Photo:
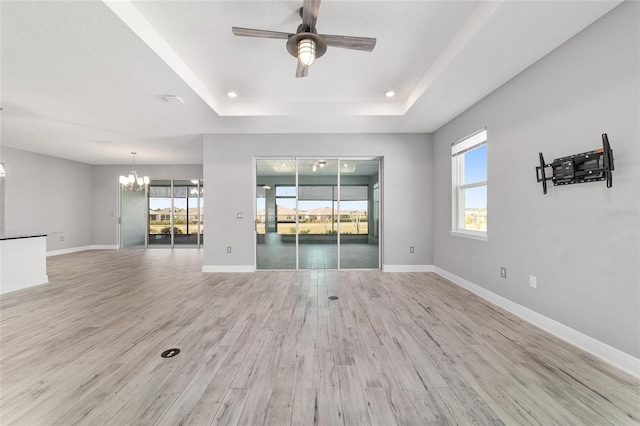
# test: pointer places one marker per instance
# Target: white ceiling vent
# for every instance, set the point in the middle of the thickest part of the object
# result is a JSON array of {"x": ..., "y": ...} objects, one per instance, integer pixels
[{"x": 172, "y": 99}]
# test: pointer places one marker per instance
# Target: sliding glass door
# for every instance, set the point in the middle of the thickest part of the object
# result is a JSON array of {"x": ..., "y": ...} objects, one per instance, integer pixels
[
  {"x": 317, "y": 213},
  {"x": 186, "y": 211},
  {"x": 160, "y": 213},
  {"x": 359, "y": 213},
  {"x": 175, "y": 213},
  {"x": 276, "y": 197}
]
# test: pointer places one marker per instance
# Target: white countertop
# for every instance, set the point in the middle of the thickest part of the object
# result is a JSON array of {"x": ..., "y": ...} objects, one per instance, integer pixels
[{"x": 19, "y": 236}]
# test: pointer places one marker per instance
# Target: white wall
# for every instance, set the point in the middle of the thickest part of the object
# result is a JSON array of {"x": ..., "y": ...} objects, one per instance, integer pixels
[
  {"x": 407, "y": 184},
  {"x": 48, "y": 195},
  {"x": 582, "y": 241}
]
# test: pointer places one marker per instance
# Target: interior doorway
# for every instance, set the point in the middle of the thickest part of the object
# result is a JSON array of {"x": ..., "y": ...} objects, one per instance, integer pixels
[{"x": 318, "y": 213}]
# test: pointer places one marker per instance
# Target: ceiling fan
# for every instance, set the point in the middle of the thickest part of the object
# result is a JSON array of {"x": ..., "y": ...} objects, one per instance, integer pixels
[{"x": 306, "y": 44}]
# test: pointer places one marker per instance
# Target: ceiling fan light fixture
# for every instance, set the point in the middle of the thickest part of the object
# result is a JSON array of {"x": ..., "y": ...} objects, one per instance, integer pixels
[{"x": 307, "y": 51}]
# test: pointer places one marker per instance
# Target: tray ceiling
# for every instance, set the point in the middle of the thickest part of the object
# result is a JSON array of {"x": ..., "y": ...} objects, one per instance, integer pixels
[{"x": 87, "y": 80}]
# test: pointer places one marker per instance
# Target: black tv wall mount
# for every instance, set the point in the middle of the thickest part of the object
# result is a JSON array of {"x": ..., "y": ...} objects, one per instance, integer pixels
[{"x": 590, "y": 166}]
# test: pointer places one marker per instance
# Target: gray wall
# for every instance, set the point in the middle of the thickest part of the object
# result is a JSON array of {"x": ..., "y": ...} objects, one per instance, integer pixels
[
  {"x": 407, "y": 189},
  {"x": 48, "y": 195},
  {"x": 105, "y": 195},
  {"x": 582, "y": 242},
  {"x": 78, "y": 201}
]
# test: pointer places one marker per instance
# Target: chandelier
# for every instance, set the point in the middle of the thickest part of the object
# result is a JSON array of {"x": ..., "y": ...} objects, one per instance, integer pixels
[{"x": 133, "y": 182}]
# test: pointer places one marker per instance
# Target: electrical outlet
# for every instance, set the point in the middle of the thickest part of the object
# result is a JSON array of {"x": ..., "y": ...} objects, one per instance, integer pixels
[
  {"x": 503, "y": 272},
  {"x": 228, "y": 249},
  {"x": 240, "y": 215},
  {"x": 412, "y": 250},
  {"x": 533, "y": 281}
]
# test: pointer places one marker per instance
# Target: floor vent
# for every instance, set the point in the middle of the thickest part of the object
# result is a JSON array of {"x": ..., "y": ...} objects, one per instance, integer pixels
[{"x": 170, "y": 353}]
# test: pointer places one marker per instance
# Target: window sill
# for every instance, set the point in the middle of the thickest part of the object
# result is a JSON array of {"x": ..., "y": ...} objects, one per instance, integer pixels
[{"x": 470, "y": 235}]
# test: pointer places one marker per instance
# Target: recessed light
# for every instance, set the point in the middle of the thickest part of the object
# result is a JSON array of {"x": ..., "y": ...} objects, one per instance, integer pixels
[
  {"x": 389, "y": 93},
  {"x": 232, "y": 94},
  {"x": 175, "y": 100}
]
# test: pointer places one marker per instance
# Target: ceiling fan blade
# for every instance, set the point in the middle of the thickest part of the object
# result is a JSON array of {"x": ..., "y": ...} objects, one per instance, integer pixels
[
  {"x": 347, "y": 42},
  {"x": 301, "y": 70},
  {"x": 310, "y": 10},
  {"x": 250, "y": 32}
]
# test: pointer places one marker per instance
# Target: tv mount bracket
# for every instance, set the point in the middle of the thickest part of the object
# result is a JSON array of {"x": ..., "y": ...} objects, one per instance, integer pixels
[{"x": 590, "y": 166}]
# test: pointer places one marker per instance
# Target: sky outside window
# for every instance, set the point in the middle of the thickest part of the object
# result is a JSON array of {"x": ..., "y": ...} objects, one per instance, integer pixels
[{"x": 475, "y": 170}]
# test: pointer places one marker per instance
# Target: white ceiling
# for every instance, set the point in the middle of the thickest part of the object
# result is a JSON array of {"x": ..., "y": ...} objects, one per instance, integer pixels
[{"x": 86, "y": 80}]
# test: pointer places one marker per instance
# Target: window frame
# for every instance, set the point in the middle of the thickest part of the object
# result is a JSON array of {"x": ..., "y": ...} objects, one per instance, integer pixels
[{"x": 473, "y": 141}]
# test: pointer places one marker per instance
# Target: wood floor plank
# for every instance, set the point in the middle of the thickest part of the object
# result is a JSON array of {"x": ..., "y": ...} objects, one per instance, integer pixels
[
  {"x": 270, "y": 347},
  {"x": 352, "y": 395},
  {"x": 203, "y": 411},
  {"x": 261, "y": 381},
  {"x": 196, "y": 388},
  {"x": 380, "y": 412},
  {"x": 305, "y": 407},
  {"x": 231, "y": 407},
  {"x": 397, "y": 385},
  {"x": 280, "y": 409},
  {"x": 328, "y": 400}
]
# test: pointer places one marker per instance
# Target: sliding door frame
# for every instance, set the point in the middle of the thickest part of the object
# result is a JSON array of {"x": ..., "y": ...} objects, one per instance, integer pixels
[
  {"x": 339, "y": 160},
  {"x": 199, "y": 185}
]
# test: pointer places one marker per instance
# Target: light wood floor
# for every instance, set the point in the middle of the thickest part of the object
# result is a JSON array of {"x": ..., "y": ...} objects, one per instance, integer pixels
[{"x": 270, "y": 348}]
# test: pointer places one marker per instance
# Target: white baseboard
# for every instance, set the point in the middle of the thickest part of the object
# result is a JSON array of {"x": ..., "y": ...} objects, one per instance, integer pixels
[
  {"x": 105, "y": 247},
  {"x": 228, "y": 268},
  {"x": 613, "y": 356},
  {"x": 82, "y": 248},
  {"x": 407, "y": 268}
]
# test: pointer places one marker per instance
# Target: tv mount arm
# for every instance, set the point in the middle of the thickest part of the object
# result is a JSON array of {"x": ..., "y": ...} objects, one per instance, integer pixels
[{"x": 590, "y": 166}]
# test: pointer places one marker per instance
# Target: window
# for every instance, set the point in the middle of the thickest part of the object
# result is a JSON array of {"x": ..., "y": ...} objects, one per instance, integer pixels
[
  {"x": 469, "y": 184},
  {"x": 285, "y": 209}
]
